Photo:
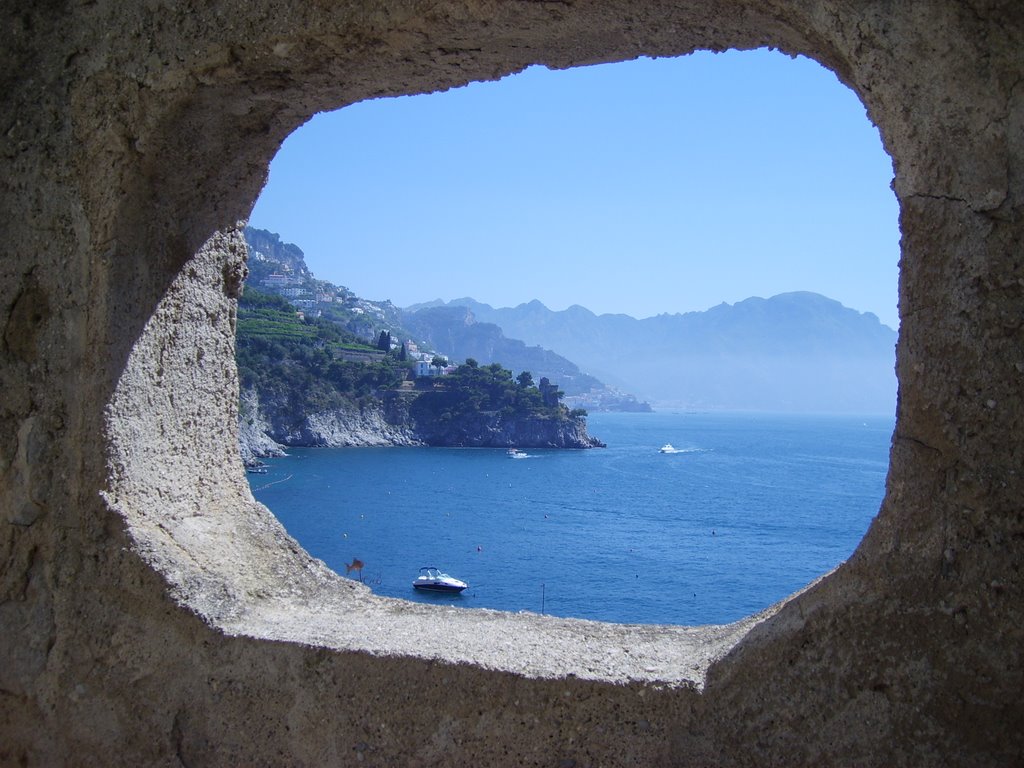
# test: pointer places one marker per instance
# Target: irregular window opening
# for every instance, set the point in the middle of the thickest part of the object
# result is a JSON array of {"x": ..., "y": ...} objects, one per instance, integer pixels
[{"x": 756, "y": 506}]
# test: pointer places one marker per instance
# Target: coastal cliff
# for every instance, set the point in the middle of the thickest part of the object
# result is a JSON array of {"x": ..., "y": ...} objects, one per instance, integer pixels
[
  {"x": 319, "y": 367},
  {"x": 492, "y": 430},
  {"x": 266, "y": 428}
]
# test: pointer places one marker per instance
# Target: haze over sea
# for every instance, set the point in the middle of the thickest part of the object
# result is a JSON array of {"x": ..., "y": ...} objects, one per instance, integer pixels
[{"x": 752, "y": 508}]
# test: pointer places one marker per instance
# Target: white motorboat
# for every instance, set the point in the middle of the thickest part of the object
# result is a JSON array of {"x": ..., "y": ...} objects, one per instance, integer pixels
[
  {"x": 515, "y": 453},
  {"x": 669, "y": 448},
  {"x": 433, "y": 580}
]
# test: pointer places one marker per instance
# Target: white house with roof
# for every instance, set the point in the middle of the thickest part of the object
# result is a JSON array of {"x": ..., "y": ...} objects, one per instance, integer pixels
[{"x": 425, "y": 368}]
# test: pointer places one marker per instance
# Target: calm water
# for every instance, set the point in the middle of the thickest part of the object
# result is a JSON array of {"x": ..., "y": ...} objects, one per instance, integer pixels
[{"x": 752, "y": 508}]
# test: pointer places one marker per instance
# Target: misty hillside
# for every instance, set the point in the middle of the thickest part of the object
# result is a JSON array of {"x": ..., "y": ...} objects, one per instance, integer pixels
[
  {"x": 792, "y": 352},
  {"x": 454, "y": 332}
]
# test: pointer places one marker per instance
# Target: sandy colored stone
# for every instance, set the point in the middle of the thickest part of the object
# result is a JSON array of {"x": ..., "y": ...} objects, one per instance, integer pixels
[{"x": 154, "y": 614}]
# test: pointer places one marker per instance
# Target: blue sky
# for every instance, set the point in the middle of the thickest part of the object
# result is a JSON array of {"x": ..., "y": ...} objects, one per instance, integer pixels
[{"x": 644, "y": 187}]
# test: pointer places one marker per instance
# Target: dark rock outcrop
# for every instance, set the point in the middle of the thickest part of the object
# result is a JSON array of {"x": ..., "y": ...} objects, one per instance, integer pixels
[
  {"x": 489, "y": 429},
  {"x": 266, "y": 428}
]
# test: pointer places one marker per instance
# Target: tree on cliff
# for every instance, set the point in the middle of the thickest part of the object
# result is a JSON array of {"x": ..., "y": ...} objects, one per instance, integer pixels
[
  {"x": 303, "y": 366},
  {"x": 525, "y": 379},
  {"x": 476, "y": 405},
  {"x": 471, "y": 389}
]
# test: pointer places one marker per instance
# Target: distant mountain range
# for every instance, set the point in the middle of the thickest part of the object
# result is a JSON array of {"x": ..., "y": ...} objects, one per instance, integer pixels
[{"x": 792, "y": 352}]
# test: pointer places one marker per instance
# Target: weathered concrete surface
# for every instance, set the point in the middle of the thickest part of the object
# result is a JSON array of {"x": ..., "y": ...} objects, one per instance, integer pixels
[{"x": 153, "y": 614}]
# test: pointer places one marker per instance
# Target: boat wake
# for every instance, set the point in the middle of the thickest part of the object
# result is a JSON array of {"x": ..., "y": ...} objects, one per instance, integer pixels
[{"x": 282, "y": 480}]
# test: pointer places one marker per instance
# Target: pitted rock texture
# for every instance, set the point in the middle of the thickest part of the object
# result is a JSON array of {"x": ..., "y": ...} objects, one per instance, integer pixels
[{"x": 153, "y": 614}]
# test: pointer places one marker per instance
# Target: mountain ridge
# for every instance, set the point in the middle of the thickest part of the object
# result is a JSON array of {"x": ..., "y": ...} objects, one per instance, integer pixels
[
  {"x": 795, "y": 351},
  {"x": 474, "y": 304}
]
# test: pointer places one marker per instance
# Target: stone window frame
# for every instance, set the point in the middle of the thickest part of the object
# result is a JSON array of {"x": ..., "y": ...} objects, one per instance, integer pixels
[
  {"x": 137, "y": 138},
  {"x": 228, "y": 559}
]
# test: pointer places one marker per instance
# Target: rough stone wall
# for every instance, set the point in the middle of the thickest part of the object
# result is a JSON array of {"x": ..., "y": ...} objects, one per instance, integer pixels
[{"x": 153, "y": 614}]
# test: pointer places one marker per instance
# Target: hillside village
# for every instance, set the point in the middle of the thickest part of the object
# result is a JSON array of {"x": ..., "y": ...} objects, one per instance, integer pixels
[
  {"x": 318, "y": 366},
  {"x": 364, "y": 318},
  {"x": 279, "y": 268}
]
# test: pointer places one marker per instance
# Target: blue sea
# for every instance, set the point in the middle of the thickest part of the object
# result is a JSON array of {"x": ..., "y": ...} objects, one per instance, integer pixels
[{"x": 748, "y": 510}]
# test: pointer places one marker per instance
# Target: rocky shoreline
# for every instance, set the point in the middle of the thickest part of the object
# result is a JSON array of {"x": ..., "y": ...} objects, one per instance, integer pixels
[{"x": 266, "y": 431}]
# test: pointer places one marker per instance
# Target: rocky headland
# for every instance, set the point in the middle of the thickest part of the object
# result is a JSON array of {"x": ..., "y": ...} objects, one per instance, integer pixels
[{"x": 266, "y": 429}]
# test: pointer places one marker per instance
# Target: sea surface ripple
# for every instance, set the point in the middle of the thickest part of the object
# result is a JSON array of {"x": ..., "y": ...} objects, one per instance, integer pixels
[{"x": 750, "y": 508}]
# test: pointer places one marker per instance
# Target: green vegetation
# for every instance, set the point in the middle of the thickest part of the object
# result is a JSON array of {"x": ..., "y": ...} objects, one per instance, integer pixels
[
  {"x": 301, "y": 364},
  {"x": 350, "y": 354},
  {"x": 268, "y": 316},
  {"x": 472, "y": 389}
]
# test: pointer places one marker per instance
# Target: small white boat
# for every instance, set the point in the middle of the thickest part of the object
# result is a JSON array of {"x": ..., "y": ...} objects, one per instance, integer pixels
[
  {"x": 667, "y": 448},
  {"x": 515, "y": 453},
  {"x": 433, "y": 580}
]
